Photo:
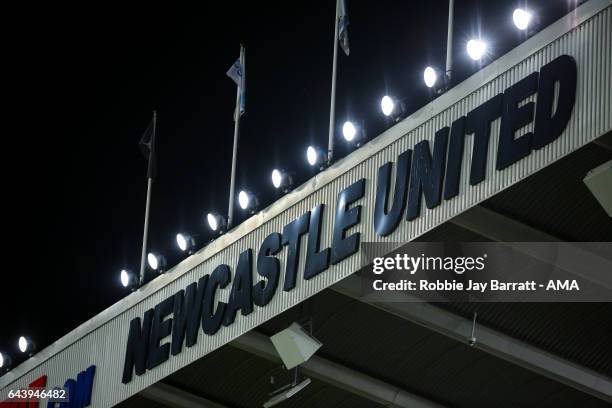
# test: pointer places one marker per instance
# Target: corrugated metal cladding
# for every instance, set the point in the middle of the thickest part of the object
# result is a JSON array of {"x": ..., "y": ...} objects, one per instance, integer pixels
[{"x": 585, "y": 34}]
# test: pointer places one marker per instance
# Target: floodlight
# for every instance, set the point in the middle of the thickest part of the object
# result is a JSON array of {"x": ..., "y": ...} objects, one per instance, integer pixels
[
  {"x": 436, "y": 79},
  {"x": 248, "y": 201},
  {"x": 294, "y": 345},
  {"x": 281, "y": 179},
  {"x": 26, "y": 345},
  {"x": 349, "y": 131},
  {"x": 5, "y": 361},
  {"x": 216, "y": 222},
  {"x": 392, "y": 107},
  {"x": 352, "y": 133},
  {"x": 521, "y": 18},
  {"x": 316, "y": 156},
  {"x": 243, "y": 200},
  {"x": 128, "y": 279},
  {"x": 156, "y": 261},
  {"x": 387, "y": 105},
  {"x": 476, "y": 49},
  {"x": 185, "y": 242},
  {"x": 430, "y": 76},
  {"x": 276, "y": 178}
]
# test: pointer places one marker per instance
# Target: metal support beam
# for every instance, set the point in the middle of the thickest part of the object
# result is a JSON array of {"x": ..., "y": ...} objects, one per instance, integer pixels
[
  {"x": 175, "y": 397},
  {"x": 490, "y": 341},
  {"x": 498, "y": 227},
  {"x": 337, "y": 375}
]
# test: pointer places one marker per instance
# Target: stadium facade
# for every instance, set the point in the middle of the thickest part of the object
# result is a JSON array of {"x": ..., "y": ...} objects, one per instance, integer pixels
[{"x": 499, "y": 157}]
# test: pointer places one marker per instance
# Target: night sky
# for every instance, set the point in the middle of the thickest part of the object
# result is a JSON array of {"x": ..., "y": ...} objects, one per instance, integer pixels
[{"x": 83, "y": 80}]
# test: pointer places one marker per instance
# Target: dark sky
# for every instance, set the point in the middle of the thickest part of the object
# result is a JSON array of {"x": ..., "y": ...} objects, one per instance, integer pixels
[{"x": 79, "y": 88}]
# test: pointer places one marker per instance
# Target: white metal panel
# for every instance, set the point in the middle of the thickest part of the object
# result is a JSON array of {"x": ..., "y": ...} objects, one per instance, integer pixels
[{"x": 586, "y": 35}]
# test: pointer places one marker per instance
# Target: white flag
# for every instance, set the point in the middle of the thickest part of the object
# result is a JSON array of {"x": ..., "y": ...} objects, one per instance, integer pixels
[
  {"x": 238, "y": 75},
  {"x": 343, "y": 26}
]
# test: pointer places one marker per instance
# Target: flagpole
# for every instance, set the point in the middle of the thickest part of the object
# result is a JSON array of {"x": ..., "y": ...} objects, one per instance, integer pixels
[
  {"x": 332, "y": 108},
  {"x": 449, "y": 43},
  {"x": 230, "y": 210},
  {"x": 146, "y": 222}
]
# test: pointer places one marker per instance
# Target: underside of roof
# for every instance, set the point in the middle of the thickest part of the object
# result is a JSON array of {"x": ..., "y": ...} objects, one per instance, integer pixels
[{"x": 426, "y": 363}]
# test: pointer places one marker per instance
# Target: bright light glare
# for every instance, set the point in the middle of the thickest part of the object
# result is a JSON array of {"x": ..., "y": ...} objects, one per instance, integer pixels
[
  {"x": 125, "y": 278},
  {"x": 181, "y": 241},
  {"x": 212, "y": 221},
  {"x": 349, "y": 131},
  {"x": 277, "y": 178},
  {"x": 153, "y": 261},
  {"x": 311, "y": 155},
  {"x": 23, "y": 344},
  {"x": 387, "y": 105},
  {"x": 1, "y": 360},
  {"x": 430, "y": 76},
  {"x": 521, "y": 18},
  {"x": 476, "y": 49},
  {"x": 243, "y": 199}
]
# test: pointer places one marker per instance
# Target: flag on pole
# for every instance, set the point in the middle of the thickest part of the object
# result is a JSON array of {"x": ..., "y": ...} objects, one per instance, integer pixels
[
  {"x": 343, "y": 22},
  {"x": 147, "y": 147},
  {"x": 238, "y": 73}
]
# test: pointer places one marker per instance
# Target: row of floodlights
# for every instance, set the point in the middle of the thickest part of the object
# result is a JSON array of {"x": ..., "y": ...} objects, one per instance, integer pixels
[
  {"x": 282, "y": 180},
  {"x": 316, "y": 157},
  {"x": 247, "y": 201},
  {"x": 477, "y": 48}
]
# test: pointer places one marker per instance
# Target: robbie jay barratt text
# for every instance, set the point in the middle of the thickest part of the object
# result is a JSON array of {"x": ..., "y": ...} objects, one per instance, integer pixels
[{"x": 493, "y": 285}]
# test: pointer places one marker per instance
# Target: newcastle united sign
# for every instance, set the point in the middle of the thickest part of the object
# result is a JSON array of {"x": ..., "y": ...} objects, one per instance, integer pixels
[{"x": 433, "y": 174}]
